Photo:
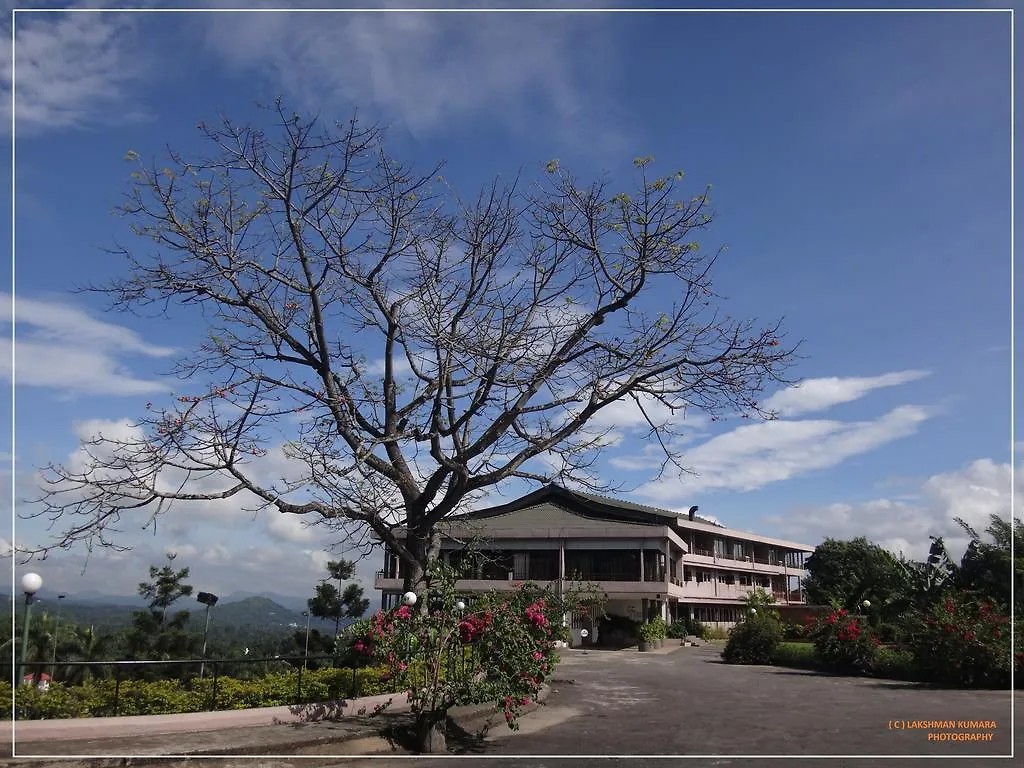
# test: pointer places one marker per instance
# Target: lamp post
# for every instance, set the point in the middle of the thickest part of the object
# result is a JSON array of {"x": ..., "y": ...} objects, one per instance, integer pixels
[
  {"x": 305, "y": 653},
  {"x": 56, "y": 634},
  {"x": 30, "y": 584},
  {"x": 209, "y": 600}
]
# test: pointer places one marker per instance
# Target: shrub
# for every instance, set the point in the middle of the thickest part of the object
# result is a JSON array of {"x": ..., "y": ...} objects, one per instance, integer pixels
[
  {"x": 793, "y": 631},
  {"x": 659, "y": 628},
  {"x": 5, "y": 700},
  {"x": 896, "y": 664},
  {"x": 677, "y": 630},
  {"x": 138, "y": 697},
  {"x": 157, "y": 697},
  {"x": 51, "y": 704},
  {"x": 753, "y": 641},
  {"x": 843, "y": 643},
  {"x": 648, "y": 632},
  {"x": 963, "y": 639}
]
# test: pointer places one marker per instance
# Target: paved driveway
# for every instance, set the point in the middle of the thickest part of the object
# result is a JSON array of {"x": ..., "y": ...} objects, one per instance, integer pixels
[{"x": 689, "y": 703}]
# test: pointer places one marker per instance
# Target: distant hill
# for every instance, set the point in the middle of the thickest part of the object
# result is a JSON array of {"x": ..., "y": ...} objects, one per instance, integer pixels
[
  {"x": 256, "y": 612},
  {"x": 291, "y": 602}
]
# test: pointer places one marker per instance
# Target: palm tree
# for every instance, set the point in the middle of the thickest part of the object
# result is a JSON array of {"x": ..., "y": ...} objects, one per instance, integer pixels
[{"x": 89, "y": 645}]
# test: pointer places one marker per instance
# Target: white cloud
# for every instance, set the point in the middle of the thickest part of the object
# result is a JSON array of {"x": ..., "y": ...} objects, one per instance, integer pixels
[
  {"x": 423, "y": 70},
  {"x": 821, "y": 394},
  {"x": 290, "y": 527},
  {"x": 756, "y": 455},
  {"x": 973, "y": 493},
  {"x": 59, "y": 346},
  {"x": 72, "y": 69}
]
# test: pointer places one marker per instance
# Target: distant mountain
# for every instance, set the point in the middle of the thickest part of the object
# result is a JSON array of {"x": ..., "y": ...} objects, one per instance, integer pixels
[
  {"x": 256, "y": 612},
  {"x": 93, "y": 597},
  {"x": 290, "y": 602}
]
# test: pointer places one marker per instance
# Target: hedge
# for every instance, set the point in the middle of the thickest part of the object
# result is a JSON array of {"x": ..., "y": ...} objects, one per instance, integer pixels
[{"x": 163, "y": 697}]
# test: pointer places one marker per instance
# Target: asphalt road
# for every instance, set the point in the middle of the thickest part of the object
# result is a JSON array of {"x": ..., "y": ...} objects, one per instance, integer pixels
[{"x": 688, "y": 703}]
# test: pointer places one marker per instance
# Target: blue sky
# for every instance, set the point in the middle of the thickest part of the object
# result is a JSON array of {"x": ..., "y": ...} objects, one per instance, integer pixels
[{"x": 860, "y": 169}]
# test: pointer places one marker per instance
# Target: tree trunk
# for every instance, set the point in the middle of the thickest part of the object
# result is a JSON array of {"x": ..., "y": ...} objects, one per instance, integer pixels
[
  {"x": 430, "y": 732},
  {"x": 425, "y": 547}
]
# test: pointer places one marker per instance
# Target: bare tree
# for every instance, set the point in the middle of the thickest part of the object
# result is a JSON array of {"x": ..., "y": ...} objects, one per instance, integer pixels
[{"x": 408, "y": 349}]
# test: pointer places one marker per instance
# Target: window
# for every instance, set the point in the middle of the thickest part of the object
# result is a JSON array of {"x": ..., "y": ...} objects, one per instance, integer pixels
[
  {"x": 703, "y": 576},
  {"x": 728, "y": 578},
  {"x": 744, "y": 580},
  {"x": 719, "y": 547},
  {"x": 737, "y": 550}
]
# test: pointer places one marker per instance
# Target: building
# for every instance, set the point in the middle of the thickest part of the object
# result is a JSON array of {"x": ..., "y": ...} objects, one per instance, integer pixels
[{"x": 647, "y": 561}]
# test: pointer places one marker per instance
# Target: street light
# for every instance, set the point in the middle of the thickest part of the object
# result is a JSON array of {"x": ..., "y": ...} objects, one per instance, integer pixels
[
  {"x": 305, "y": 653},
  {"x": 409, "y": 598},
  {"x": 56, "y": 634},
  {"x": 30, "y": 584},
  {"x": 209, "y": 600}
]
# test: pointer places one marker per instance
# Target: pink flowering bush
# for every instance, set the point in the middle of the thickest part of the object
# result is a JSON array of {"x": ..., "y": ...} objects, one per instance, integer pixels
[
  {"x": 843, "y": 643},
  {"x": 498, "y": 650}
]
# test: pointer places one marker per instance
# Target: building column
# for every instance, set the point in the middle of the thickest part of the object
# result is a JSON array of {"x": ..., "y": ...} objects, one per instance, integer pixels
[
  {"x": 561, "y": 579},
  {"x": 641, "y": 562}
]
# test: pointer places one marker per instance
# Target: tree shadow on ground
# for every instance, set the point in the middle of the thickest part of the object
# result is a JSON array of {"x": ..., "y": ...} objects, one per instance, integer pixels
[
  {"x": 886, "y": 682},
  {"x": 462, "y": 741},
  {"x": 401, "y": 735}
]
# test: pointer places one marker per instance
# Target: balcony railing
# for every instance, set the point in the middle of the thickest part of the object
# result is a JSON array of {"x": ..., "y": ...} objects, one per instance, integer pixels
[{"x": 701, "y": 552}]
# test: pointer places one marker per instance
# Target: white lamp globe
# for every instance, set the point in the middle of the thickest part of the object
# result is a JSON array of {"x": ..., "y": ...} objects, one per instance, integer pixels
[
  {"x": 866, "y": 603},
  {"x": 31, "y": 582},
  {"x": 409, "y": 598},
  {"x": 460, "y": 606},
  {"x": 753, "y": 611}
]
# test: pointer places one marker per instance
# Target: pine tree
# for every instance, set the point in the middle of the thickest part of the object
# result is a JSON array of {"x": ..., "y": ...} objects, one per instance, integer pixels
[
  {"x": 155, "y": 633},
  {"x": 335, "y": 602}
]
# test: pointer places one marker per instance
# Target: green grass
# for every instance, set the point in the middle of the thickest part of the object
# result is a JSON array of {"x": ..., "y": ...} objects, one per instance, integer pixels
[{"x": 798, "y": 655}]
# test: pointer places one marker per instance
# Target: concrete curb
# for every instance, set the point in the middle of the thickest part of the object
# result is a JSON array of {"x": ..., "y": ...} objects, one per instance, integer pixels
[
  {"x": 349, "y": 735},
  {"x": 73, "y": 729}
]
